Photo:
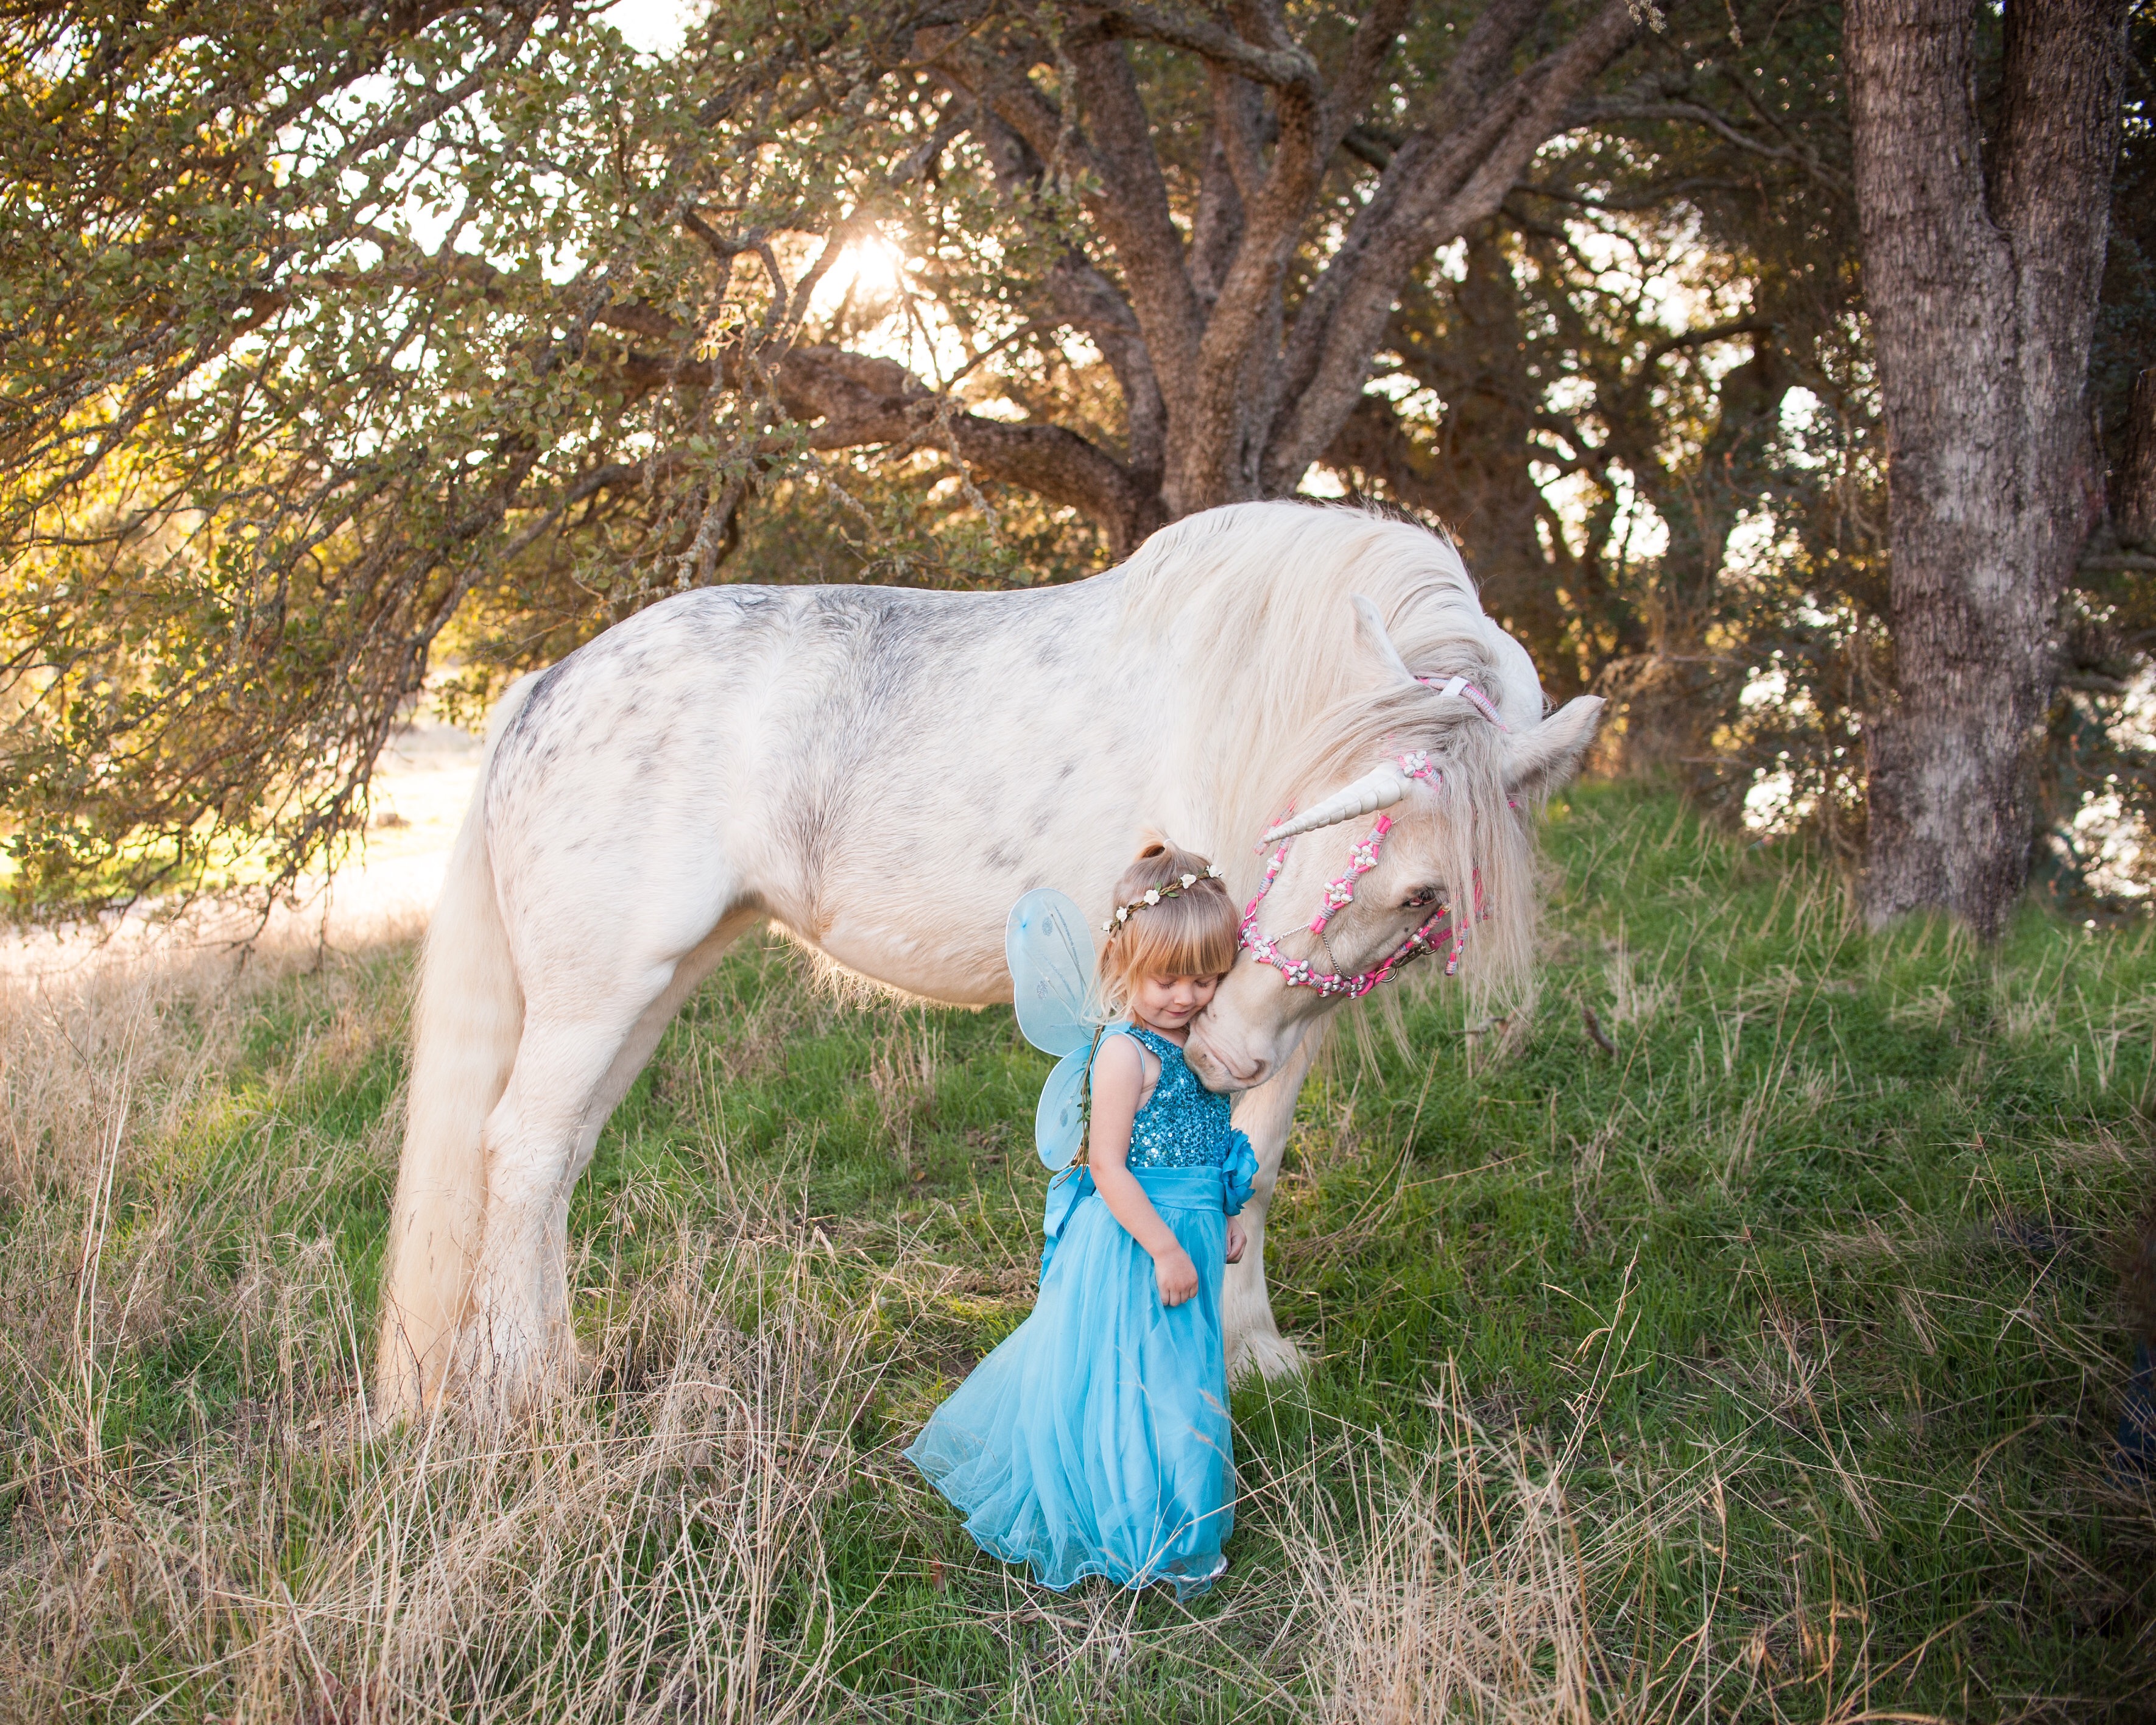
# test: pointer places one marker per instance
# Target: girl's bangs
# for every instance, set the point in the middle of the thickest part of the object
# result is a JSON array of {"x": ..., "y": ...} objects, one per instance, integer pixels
[{"x": 1185, "y": 945}]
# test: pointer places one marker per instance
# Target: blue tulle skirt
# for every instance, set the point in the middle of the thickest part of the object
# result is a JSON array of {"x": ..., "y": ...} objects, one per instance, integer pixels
[{"x": 1095, "y": 1440}]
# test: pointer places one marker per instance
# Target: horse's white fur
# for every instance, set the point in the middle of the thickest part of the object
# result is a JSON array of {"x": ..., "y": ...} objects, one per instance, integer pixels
[{"x": 882, "y": 772}]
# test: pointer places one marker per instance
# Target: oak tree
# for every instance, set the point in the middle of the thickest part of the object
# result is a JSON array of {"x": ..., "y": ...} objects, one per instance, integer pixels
[
  {"x": 321, "y": 320},
  {"x": 1983, "y": 249}
]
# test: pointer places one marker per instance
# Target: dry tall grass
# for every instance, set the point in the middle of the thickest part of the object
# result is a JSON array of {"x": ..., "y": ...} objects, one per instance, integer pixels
[
  {"x": 624, "y": 1556},
  {"x": 1455, "y": 1591},
  {"x": 655, "y": 1547}
]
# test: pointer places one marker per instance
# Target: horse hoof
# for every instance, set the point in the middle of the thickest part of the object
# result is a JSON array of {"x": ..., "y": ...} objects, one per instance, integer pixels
[{"x": 1272, "y": 1358}]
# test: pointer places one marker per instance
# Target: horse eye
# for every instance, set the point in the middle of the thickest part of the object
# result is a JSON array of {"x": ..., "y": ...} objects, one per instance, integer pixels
[{"x": 1421, "y": 899}]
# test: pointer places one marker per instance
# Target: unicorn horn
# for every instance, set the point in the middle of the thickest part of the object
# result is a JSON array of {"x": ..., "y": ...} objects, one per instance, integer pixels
[{"x": 1380, "y": 788}]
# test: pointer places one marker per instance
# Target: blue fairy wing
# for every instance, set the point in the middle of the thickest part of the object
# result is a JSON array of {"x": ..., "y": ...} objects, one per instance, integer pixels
[
  {"x": 1050, "y": 951},
  {"x": 1059, "y": 1125}
]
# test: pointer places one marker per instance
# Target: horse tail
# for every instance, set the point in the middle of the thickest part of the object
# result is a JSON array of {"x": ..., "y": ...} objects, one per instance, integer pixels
[{"x": 466, "y": 1022}]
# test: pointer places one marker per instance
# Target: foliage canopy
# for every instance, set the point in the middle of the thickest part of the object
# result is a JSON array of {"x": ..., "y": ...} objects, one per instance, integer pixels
[{"x": 348, "y": 347}]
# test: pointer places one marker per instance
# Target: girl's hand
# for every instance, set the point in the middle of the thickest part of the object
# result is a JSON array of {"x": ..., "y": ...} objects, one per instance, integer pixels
[
  {"x": 1177, "y": 1275},
  {"x": 1237, "y": 1239}
]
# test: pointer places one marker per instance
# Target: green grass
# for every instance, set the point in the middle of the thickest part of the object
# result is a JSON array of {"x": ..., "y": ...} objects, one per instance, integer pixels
[{"x": 1786, "y": 1341}]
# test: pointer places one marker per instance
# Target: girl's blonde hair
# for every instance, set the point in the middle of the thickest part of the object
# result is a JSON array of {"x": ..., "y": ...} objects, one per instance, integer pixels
[{"x": 1191, "y": 934}]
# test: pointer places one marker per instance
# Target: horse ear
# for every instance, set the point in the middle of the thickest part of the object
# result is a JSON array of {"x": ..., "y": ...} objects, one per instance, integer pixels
[
  {"x": 1538, "y": 760},
  {"x": 1370, "y": 630}
]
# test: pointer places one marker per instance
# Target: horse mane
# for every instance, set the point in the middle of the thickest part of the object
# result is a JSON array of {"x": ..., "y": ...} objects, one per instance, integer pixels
[{"x": 1267, "y": 588}]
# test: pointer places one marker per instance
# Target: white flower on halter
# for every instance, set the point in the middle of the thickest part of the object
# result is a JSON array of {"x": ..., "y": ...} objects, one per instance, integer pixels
[
  {"x": 1190, "y": 879},
  {"x": 1152, "y": 896}
]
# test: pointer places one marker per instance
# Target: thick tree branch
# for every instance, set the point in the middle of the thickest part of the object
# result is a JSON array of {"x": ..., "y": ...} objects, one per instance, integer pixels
[
  {"x": 1356, "y": 79},
  {"x": 852, "y": 401},
  {"x": 1643, "y": 378},
  {"x": 1411, "y": 165},
  {"x": 1437, "y": 187},
  {"x": 1372, "y": 145},
  {"x": 1126, "y": 195},
  {"x": 1238, "y": 122},
  {"x": 1089, "y": 302},
  {"x": 1220, "y": 441},
  {"x": 1217, "y": 228},
  {"x": 1285, "y": 67},
  {"x": 1133, "y": 213},
  {"x": 1480, "y": 64}
]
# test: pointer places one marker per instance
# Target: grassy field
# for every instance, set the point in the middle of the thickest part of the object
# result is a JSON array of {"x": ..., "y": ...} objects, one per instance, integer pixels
[{"x": 1766, "y": 1363}]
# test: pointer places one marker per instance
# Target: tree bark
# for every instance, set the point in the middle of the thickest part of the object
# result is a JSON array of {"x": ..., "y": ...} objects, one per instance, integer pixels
[
  {"x": 1476, "y": 474},
  {"x": 1677, "y": 688},
  {"x": 1981, "y": 275},
  {"x": 2133, "y": 505},
  {"x": 1232, "y": 391}
]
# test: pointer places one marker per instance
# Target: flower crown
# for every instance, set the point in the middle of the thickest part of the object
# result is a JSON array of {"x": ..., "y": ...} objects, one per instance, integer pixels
[{"x": 1154, "y": 895}]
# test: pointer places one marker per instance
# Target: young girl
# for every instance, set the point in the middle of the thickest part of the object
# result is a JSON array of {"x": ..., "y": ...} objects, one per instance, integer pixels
[{"x": 1095, "y": 1440}]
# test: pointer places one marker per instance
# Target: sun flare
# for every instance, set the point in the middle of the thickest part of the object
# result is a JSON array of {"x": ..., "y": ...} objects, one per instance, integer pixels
[{"x": 871, "y": 269}]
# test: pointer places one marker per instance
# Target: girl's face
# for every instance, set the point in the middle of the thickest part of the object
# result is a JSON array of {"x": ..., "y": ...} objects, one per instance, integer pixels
[{"x": 1169, "y": 1003}]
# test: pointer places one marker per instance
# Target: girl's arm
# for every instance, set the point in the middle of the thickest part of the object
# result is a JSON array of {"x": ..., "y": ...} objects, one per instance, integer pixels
[{"x": 1118, "y": 1081}]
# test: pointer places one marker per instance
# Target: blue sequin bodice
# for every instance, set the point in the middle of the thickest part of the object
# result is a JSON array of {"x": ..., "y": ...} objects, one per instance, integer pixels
[{"x": 1183, "y": 1124}]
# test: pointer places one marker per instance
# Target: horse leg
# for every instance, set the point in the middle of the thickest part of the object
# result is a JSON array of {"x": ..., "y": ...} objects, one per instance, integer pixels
[
  {"x": 642, "y": 1041},
  {"x": 572, "y": 1071},
  {"x": 1255, "y": 1342}
]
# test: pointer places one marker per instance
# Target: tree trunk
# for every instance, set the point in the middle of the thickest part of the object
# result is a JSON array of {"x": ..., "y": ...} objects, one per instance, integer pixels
[
  {"x": 2134, "y": 503},
  {"x": 1672, "y": 698},
  {"x": 1232, "y": 391},
  {"x": 1477, "y": 476},
  {"x": 1981, "y": 276}
]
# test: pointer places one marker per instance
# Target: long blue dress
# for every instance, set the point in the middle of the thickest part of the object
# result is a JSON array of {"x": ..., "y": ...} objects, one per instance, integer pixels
[{"x": 1095, "y": 1440}]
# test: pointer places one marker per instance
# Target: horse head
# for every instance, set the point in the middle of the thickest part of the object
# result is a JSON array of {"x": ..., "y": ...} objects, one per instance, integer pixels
[{"x": 1412, "y": 842}]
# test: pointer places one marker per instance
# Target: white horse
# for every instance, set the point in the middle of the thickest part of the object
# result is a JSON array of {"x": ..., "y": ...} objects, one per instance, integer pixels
[{"x": 880, "y": 773}]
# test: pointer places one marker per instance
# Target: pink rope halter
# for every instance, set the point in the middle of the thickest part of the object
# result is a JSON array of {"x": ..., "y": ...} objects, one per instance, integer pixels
[
  {"x": 1438, "y": 928},
  {"x": 1467, "y": 691}
]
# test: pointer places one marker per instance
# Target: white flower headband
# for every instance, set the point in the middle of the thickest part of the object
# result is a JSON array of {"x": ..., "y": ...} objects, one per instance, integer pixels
[{"x": 1153, "y": 896}]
